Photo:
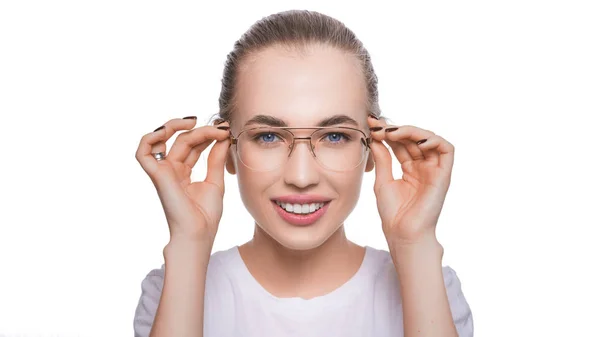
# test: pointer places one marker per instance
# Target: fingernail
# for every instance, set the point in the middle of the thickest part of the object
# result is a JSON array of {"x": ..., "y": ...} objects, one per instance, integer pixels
[
  {"x": 223, "y": 127},
  {"x": 221, "y": 122},
  {"x": 377, "y": 128},
  {"x": 390, "y": 129},
  {"x": 159, "y": 128},
  {"x": 373, "y": 116},
  {"x": 421, "y": 141},
  {"x": 190, "y": 117}
]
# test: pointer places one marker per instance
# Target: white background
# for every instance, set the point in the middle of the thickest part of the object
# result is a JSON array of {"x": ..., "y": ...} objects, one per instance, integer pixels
[{"x": 514, "y": 85}]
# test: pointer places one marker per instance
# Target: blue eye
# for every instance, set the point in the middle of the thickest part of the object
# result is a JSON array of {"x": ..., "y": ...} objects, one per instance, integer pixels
[
  {"x": 335, "y": 137},
  {"x": 267, "y": 137}
]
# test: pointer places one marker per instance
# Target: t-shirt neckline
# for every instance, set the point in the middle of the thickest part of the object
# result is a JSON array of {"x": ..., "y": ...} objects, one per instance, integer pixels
[{"x": 336, "y": 298}]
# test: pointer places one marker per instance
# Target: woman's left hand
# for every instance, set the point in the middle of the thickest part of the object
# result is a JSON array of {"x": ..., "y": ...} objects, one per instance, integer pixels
[{"x": 410, "y": 206}]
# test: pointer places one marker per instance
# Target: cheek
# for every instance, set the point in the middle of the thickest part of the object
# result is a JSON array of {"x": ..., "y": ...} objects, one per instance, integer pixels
[
  {"x": 253, "y": 185},
  {"x": 246, "y": 183},
  {"x": 349, "y": 184}
]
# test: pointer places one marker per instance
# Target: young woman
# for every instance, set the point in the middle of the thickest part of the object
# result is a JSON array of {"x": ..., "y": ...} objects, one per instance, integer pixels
[{"x": 299, "y": 124}]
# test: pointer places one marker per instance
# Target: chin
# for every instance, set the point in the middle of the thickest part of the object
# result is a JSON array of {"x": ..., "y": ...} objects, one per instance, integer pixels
[
  {"x": 298, "y": 240},
  {"x": 297, "y": 237}
]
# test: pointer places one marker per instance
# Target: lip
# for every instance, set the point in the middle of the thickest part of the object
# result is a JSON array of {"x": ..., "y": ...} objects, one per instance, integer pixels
[
  {"x": 301, "y": 198},
  {"x": 301, "y": 219}
]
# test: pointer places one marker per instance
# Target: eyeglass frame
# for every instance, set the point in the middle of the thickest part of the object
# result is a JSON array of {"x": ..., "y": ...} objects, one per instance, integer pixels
[{"x": 365, "y": 141}]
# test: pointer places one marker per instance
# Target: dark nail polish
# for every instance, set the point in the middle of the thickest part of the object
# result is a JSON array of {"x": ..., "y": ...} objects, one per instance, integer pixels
[
  {"x": 373, "y": 116},
  {"x": 390, "y": 129},
  {"x": 377, "y": 128},
  {"x": 223, "y": 127},
  {"x": 159, "y": 128},
  {"x": 190, "y": 117},
  {"x": 221, "y": 122},
  {"x": 421, "y": 141}
]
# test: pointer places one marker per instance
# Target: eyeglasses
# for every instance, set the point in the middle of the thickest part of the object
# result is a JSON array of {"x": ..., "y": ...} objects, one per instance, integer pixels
[{"x": 334, "y": 148}]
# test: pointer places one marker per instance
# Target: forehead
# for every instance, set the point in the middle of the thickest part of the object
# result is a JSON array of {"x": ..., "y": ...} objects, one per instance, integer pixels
[{"x": 300, "y": 88}]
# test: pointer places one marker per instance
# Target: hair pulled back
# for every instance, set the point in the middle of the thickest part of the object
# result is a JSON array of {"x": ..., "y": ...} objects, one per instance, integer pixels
[{"x": 294, "y": 29}]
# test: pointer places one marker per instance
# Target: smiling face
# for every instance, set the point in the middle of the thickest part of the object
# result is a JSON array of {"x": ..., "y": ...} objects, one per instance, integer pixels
[{"x": 322, "y": 86}]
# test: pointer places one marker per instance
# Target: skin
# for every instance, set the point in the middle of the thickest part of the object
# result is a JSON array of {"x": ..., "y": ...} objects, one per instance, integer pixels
[
  {"x": 300, "y": 90},
  {"x": 288, "y": 261}
]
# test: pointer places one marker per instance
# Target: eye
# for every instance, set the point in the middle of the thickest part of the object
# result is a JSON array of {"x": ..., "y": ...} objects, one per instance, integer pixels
[
  {"x": 335, "y": 137},
  {"x": 266, "y": 137}
]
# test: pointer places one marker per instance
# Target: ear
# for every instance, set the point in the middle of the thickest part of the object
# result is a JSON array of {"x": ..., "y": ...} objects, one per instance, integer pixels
[
  {"x": 370, "y": 163},
  {"x": 229, "y": 163}
]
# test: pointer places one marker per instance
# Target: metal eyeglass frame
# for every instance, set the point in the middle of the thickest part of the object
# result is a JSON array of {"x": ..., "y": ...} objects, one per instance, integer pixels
[{"x": 366, "y": 140}]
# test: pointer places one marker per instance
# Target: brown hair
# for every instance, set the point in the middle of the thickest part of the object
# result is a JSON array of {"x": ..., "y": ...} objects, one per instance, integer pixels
[{"x": 294, "y": 29}]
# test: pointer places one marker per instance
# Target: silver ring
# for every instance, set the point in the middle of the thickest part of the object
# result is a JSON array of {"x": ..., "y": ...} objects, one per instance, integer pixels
[{"x": 159, "y": 156}]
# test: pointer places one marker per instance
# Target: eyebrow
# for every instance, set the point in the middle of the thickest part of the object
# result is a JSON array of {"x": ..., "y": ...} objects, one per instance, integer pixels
[{"x": 277, "y": 122}]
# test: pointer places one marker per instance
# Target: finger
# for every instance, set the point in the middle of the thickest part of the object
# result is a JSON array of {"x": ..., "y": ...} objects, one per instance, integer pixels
[
  {"x": 376, "y": 127},
  {"x": 431, "y": 154},
  {"x": 144, "y": 151},
  {"x": 408, "y": 135},
  {"x": 373, "y": 120},
  {"x": 377, "y": 120},
  {"x": 197, "y": 150},
  {"x": 187, "y": 140},
  {"x": 383, "y": 164},
  {"x": 378, "y": 133},
  {"x": 400, "y": 151},
  {"x": 170, "y": 127},
  {"x": 216, "y": 164},
  {"x": 440, "y": 149},
  {"x": 405, "y": 150},
  {"x": 195, "y": 153}
]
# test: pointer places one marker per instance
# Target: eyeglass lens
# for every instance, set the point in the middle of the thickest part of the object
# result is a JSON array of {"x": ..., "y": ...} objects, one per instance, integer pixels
[{"x": 265, "y": 149}]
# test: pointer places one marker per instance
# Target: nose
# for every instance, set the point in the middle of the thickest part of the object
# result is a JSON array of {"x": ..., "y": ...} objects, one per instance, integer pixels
[{"x": 301, "y": 168}]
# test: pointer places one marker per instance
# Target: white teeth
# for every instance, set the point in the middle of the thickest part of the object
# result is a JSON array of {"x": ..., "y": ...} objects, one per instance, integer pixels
[{"x": 300, "y": 208}]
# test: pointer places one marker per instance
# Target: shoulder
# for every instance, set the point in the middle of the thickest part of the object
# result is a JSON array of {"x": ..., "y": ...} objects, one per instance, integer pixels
[
  {"x": 217, "y": 283},
  {"x": 154, "y": 279},
  {"x": 387, "y": 290},
  {"x": 386, "y": 271},
  {"x": 216, "y": 265}
]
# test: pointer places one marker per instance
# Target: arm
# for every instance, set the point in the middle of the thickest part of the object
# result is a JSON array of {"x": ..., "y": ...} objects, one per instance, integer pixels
[
  {"x": 181, "y": 308},
  {"x": 425, "y": 306}
]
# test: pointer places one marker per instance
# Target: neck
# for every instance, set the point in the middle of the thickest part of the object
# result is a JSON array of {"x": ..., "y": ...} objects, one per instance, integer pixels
[{"x": 287, "y": 272}]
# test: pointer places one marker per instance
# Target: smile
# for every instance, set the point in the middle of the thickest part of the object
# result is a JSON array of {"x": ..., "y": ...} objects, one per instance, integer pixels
[{"x": 300, "y": 208}]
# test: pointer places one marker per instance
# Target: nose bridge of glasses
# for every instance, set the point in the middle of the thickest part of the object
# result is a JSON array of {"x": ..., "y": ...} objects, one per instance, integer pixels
[{"x": 310, "y": 145}]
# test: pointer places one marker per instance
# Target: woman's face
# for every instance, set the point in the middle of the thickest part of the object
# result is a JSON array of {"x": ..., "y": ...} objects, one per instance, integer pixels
[{"x": 299, "y": 90}]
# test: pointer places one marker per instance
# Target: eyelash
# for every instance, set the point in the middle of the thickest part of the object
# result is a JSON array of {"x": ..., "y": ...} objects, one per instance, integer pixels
[{"x": 343, "y": 136}]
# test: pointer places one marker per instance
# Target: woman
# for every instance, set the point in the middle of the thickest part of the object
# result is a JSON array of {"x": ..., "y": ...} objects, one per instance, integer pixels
[{"x": 299, "y": 125}]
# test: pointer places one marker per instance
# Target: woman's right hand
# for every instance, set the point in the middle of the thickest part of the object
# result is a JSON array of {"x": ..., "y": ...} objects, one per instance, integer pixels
[{"x": 193, "y": 209}]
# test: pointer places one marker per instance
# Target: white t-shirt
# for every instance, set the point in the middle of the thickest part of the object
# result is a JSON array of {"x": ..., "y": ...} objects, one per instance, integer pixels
[{"x": 236, "y": 304}]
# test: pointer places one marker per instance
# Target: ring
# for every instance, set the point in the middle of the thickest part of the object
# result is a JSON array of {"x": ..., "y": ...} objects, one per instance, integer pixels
[{"x": 159, "y": 156}]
